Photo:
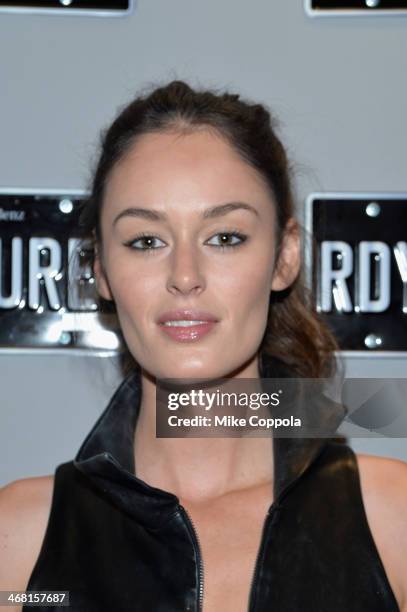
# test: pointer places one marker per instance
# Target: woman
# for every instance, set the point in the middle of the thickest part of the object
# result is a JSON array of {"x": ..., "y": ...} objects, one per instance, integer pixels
[{"x": 193, "y": 220}]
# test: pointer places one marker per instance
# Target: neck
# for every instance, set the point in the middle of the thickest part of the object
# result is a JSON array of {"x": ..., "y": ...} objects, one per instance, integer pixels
[{"x": 199, "y": 469}]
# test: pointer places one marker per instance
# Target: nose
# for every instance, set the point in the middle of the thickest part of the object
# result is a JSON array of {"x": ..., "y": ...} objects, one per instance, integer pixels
[{"x": 185, "y": 274}]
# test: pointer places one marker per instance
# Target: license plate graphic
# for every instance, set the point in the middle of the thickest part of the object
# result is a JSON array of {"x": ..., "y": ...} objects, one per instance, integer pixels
[
  {"x": 47, "y": 289},
  {"x": 360, "y": 267}
]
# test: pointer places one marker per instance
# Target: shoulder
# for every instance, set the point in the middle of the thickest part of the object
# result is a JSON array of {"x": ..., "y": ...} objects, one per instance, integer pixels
[
  {"x": 383, "y": 483},
  {"x": 24, "y": 511}
]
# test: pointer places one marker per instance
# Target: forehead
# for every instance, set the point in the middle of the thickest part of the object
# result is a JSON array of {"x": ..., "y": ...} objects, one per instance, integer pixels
[{"x": 167, "y": 169}]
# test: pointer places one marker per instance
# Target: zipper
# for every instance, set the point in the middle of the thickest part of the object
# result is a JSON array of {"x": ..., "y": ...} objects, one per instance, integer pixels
[
  {"x": 200, "y": 561},
  {"x": 199, "y": 556}
]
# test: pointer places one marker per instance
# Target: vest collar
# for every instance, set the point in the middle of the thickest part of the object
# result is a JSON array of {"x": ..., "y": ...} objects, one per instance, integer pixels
[{"x": 106, "y": 456}]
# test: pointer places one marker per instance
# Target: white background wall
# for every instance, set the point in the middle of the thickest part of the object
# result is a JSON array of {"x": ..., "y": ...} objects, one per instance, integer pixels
[{"x": 338, "y": 86}]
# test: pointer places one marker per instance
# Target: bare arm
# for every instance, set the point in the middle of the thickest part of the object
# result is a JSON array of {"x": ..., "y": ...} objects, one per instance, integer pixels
[
  {"x": 384, "y": 491},
  {"x": 24, "y": 512}
]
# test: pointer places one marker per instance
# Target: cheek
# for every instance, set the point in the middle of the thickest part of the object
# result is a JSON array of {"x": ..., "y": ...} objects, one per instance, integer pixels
[
  {"x": 133, "y": 287},
  {"x": 247, "y": 283}
]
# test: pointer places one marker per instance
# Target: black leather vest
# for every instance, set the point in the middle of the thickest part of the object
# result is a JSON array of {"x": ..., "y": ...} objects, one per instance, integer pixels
[{"x": 118, "y": 544}]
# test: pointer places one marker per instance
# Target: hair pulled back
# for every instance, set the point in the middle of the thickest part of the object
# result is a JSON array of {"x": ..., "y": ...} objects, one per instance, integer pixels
[{"x": 295, "y": 334}]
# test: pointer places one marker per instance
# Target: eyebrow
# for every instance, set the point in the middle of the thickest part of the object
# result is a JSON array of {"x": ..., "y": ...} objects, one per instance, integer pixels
[{"x": 210, "y": 213}]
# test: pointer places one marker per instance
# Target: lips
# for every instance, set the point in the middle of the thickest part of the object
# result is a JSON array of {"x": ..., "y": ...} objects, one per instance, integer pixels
[
  {"x": 186, "y": 315},
  {"x": 202, "y": 323}
]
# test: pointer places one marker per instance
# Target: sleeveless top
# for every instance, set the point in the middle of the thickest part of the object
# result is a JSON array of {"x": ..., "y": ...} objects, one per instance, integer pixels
[{"x": 118, "y": 544}]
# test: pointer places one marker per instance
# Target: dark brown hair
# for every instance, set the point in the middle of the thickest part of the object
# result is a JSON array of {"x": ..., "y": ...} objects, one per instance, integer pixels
[{"x": 295, "y": 333}]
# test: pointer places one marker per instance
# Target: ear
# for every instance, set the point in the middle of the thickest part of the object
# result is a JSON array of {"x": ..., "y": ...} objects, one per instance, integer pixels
[
  {"x": 289, "y": 261},
  {"x": 102, "y": 283}
]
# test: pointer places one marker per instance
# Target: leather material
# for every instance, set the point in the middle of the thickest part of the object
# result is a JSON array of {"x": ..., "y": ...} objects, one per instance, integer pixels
[{"x": 118, "y": 544}]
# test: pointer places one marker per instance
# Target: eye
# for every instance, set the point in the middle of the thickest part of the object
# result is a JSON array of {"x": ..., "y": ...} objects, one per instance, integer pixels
[
  {"x": 148, "y": 240},
  {"x": 225, "y": 239}
]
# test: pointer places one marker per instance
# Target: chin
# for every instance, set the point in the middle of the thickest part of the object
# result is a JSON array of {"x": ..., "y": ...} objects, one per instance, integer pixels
[
  {"x": 189, "y": 374},
  {"x": 191, "y": 371}
]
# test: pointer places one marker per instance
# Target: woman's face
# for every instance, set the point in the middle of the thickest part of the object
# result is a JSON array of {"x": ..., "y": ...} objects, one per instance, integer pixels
[{"x": 171, "y": 244}]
